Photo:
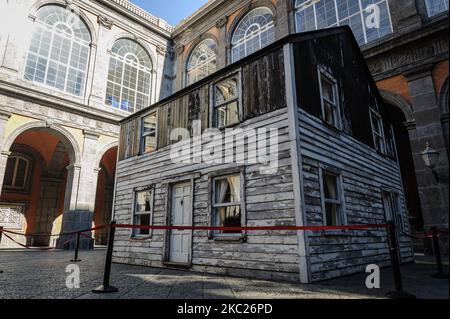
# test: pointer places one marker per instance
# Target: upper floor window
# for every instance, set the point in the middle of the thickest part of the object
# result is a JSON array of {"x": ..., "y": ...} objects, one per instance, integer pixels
[
  {"x": 435, "y": 7},
  {"x": 226, "y": 102},
  {"x": 329, "y": 99},
  {"x": 17, "y": 172},
  {"x": 59, "y": 51},
  {"x": 255, "y": 31},
  {"x": 369, "y": 19},
  {"x": 377, "y": 131},
  {"x": 149, "y": 133},
  {"x": 202, "y": 61},
  {"x": 129, "y": 77}
]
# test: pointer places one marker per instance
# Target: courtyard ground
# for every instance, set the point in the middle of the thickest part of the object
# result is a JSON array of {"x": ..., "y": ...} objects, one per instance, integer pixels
[{"x": 35, "y": 274}]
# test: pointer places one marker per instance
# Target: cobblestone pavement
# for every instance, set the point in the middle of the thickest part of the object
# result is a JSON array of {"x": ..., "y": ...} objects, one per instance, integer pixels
[{"x": 41, "y": 274}]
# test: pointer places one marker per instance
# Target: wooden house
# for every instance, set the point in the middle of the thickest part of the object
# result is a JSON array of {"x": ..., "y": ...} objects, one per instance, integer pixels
[{"x": 335, "y": 165}]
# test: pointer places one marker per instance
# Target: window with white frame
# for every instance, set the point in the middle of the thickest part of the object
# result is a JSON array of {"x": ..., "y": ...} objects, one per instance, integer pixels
[
  {"x": 58, "y": 56},
  {"x": 149, "y": 133},
  {"x": 332, "y": 198},
  {"x": 143, "y": 211},
  {"x": 393, "y": 211},
  {"x": 129, "y": 77},
  {"x": 435, "y": 7},
  {"x": 202, "y": 61},
  {"x": 17, "y": 172},
  {"x": 377, "y": 131},
  {"x": 369, "y": 19},
  {"x": 329, "y": 99},
  {"x": 226, "y": 102},
  {"x": 226, "y": 206},
  {"x": 255, "y": 31}
]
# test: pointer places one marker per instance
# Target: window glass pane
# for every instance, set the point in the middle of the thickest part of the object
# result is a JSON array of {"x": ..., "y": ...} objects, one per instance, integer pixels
[
  {"x": 254, "y": 31},
  {"x": 361, "y": 15},
  {"x": 129, "y": 77},
  {"x": 143, "y": 220},
  {"x": 149, "y": 133},
  {"x": 143, "y": 201},
  {"x": 327, "y": 89},
  {"x": 227, "y": 114},
  {"x": 330, "y": 186},
  {"x": 227, "y": 190},
  {"x": 202, "y": 61},
  {"x": 436, "y": 6},
  {"x": 226, "y": 90},
  {"x": 9, "y": 171},
  {"x": 60, "y": 40},
  {"x": 229, "y": 216},
  {"x": 21, "y": 173},
  {"x": 332, "y": 214}
]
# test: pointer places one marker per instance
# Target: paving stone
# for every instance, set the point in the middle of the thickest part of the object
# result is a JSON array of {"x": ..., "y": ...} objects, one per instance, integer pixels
[{"x": 42, "y": 275}]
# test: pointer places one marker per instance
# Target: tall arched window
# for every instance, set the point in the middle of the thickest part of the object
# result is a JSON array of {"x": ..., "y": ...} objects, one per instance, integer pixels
[
  {"x": 59, "y": 51},
  {"x": 129, "y": 77},
  {"x": 202, "y": 61},
  {"x": 255, "y": 31},
  {"x": 369, "y": 19}
]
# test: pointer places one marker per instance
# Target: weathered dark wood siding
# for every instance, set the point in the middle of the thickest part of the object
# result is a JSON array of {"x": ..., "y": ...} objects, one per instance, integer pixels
[
  {"x": 357, "y": 90},
  {"x": 262, "y": 89}
]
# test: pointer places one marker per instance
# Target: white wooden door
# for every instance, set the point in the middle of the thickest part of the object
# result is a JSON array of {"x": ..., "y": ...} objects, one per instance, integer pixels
[{"x": 181, "y": 215}]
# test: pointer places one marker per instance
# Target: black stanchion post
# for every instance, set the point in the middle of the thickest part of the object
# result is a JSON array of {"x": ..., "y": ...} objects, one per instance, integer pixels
[
  {"x": 1, "y": 232},
  {"x": 437, "y": 254},
  {"x": 106, "y": 287},
  {"x": 395, "y": 261},
  {"x": 75, "y": 259}
]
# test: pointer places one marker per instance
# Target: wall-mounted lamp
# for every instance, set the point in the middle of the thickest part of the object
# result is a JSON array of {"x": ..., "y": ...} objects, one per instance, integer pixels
[{"x": 430, "y": 157}]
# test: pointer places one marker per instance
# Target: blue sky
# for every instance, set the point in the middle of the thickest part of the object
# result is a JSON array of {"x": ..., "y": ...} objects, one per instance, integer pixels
[{"x": 173, "y": 11}]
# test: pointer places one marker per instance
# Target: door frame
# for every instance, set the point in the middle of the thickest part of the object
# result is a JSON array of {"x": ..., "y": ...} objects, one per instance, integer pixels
[{"x": 166, "y": 244}]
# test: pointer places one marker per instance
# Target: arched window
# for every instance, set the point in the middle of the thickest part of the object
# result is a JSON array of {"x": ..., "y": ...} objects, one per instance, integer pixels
[
  {"x": 255, "y": 31},
  {"x": 369, "y": 19},
  {"x": 17, "y": 172},
  {"x": 202, "y": 61},
  {"x": 129, "y": 77},
  {"x": 59, "y": 51}
]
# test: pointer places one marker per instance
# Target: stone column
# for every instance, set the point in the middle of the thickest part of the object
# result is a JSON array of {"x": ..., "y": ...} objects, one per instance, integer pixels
[
  {"x": 222, "y": 46},
  {"x": 4, "y": 117},
  {"x": 101, "y": 63},
  {"x": 433, "y": 186},
  {"x": 282, "y": 19},
  {"x": 82, "y": 187}
]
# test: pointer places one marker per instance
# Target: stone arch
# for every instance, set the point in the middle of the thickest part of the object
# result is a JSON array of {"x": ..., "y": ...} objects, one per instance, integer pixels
[
  {"x": 63, "y": 3},
  {"x": 103, "y": 151},
  {"x": 400, "y": 102},
  {"x": 66, "y": 137}
]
